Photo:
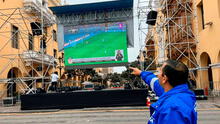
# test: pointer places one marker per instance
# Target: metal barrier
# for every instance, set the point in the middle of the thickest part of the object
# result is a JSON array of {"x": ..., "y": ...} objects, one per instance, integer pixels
[{"x": 214, "y": 89}]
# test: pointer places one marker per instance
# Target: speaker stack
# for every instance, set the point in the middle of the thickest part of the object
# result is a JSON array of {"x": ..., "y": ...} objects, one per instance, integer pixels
[
  {"x": 36, "y": 28},
  {"x": 39, "y": 68},
  {"x": 152, "y": 17}
]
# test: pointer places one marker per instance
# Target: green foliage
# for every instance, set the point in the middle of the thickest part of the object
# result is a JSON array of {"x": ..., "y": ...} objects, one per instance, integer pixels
[
  {"x": 96, "y": 78},
  {"x": 116, "y": 77},
  {"x": 126, "y": 75},
  {"x": 132, "y": 79},
  {"x": 90, "y": 72}
]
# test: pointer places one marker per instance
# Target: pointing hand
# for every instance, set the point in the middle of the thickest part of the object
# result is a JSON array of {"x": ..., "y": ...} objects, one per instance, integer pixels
[{"x": 135, "y": 71}]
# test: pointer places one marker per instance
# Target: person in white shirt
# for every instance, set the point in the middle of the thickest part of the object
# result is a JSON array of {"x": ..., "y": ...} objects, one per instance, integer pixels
[{"x": 54, "y": 81}]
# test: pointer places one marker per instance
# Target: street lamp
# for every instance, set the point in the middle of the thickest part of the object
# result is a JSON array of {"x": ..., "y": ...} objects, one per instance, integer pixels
[
  {"x": 144, "y": 54},
  {"x": 60, "y": 67},
  {"x": 138, "y": 57}
]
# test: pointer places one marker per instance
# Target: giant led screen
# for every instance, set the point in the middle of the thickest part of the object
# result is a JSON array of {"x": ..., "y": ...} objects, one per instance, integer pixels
[{"x": 95, "y": 44}]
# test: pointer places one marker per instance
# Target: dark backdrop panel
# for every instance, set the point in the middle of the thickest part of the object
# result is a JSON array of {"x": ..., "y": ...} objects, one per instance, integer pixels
[{"x": 84, "y": 99}]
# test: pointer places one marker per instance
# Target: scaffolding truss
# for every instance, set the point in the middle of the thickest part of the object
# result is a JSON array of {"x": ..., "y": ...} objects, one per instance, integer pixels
[
  {"x": 95, "y": 17},
  {"x": 174, "y": 36},
  {"x": 22, "y": 60}
]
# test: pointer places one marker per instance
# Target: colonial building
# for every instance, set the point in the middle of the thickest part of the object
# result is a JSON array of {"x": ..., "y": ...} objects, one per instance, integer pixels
[{"x": 28, "y": 49}]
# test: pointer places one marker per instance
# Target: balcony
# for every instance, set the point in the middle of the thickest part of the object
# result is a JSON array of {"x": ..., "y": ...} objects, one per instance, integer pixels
[
  {"x": 35, "y": 7},
  {"x": 37, "y": 58}
]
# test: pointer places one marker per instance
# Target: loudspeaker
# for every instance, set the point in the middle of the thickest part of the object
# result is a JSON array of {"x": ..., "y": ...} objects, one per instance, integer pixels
[
  {"x": 36, "y": 28},
  {"x": 9, "y": 101},
  {"x": 39, "y": 68},
  {"x": 199, "y": 92},
  {"x": 151, "y": 17},
  {"x": 40, "y": 90},
  {"x": 127, "y": 86},
  {"x": 67, "y": 89}
]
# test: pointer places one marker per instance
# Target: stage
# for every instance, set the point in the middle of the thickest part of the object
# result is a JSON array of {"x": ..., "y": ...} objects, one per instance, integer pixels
[{"x": 84, "y": 99}]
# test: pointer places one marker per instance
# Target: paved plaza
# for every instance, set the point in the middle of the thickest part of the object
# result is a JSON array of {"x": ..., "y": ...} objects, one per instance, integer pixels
[
  {"x": 208, "y": 112},
  {"x": 211, "y": 103},
  {"x": 112, "y": 115}
]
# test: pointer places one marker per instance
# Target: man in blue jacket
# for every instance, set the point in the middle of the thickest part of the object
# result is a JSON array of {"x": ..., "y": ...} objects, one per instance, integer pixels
[{"x": 176, "y": 103}]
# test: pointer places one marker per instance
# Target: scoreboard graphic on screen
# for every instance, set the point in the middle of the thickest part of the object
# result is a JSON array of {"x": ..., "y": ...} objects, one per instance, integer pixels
[{"x": 95, "y": 44}]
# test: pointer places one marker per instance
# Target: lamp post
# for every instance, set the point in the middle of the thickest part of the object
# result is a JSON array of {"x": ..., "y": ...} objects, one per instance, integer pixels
[
  {"x": 60, "y": 67},
  {"x": 144, "y": 60},
  {"x": 144, "y": 54},
  {"x": 141, "y": 59}
]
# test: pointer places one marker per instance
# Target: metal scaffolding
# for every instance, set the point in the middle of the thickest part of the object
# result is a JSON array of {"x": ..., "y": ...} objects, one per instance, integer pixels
[
  {"x": 174, "y": 36},
  {"x": 95, "y": 17},
  {"x": 24, "y": 61}
]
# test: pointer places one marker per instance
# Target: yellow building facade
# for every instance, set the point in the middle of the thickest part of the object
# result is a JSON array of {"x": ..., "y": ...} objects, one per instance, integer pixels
[
  {"x": 28, "y": 48},
  {"x": 208, "y": 47}
]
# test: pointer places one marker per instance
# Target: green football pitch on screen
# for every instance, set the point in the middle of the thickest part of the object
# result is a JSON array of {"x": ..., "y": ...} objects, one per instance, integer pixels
[{"x": 101, "y": 48}]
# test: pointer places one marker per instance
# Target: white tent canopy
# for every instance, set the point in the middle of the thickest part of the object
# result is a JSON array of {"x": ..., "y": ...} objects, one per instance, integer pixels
[{"x": 87, "y": 82}]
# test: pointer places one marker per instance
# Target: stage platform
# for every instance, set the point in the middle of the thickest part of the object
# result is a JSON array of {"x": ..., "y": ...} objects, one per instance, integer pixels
[{"x": 84, "y": 99}]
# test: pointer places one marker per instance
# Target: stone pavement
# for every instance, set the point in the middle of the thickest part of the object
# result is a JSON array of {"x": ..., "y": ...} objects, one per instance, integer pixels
[
  {"x": 211, "y": 103},
  {"x": 16, "y": 109}
]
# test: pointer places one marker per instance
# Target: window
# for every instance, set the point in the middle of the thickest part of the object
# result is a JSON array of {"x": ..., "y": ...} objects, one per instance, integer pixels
[
  {"x": 14, "y": 37},
  {"x": 44, "y": 3},
  {"x": 62, "y": 55},
  {"x": 45, "y": 31},
  {"x": 54, "y": 35},
  {"x": 201, "y": 15},
  {"x": 219, "y": 8},
  {"x": 203, "y": 20},
  {"x": 31, "y": 42},
  {"x": 54, "y": 53}
]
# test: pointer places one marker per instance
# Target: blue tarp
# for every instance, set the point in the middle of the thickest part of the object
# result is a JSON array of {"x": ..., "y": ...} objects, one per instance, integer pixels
[{"x": 101, "y": 6}]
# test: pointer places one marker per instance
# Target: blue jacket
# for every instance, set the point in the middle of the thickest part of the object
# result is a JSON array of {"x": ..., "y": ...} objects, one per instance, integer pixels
[{"x": 177, "y": 106}]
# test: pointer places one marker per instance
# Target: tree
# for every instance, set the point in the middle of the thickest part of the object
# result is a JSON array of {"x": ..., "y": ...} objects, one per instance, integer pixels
[
  {"x": 90, "y": 72},
  {"x": 116, "y": 77},
  {"x": 134, "y": 81},
  {"x": 96, "y": 78},
  {"x": 127, "y": 73}
]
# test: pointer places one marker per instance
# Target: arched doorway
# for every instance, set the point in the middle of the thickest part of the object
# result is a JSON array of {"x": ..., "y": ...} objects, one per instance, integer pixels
[
  {"x": 207, "y": 76},
  {"x": 11, "y": 87},
  {"x": 210, "y": 77}
]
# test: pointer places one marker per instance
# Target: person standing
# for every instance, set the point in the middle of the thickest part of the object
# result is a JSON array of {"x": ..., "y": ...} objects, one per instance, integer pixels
[
  {"x": 119, "y": 56},
  {"x": 176, "y": 103},
  {"x": 43, "y": 44},
  {"x": 54, "y": 81}
]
